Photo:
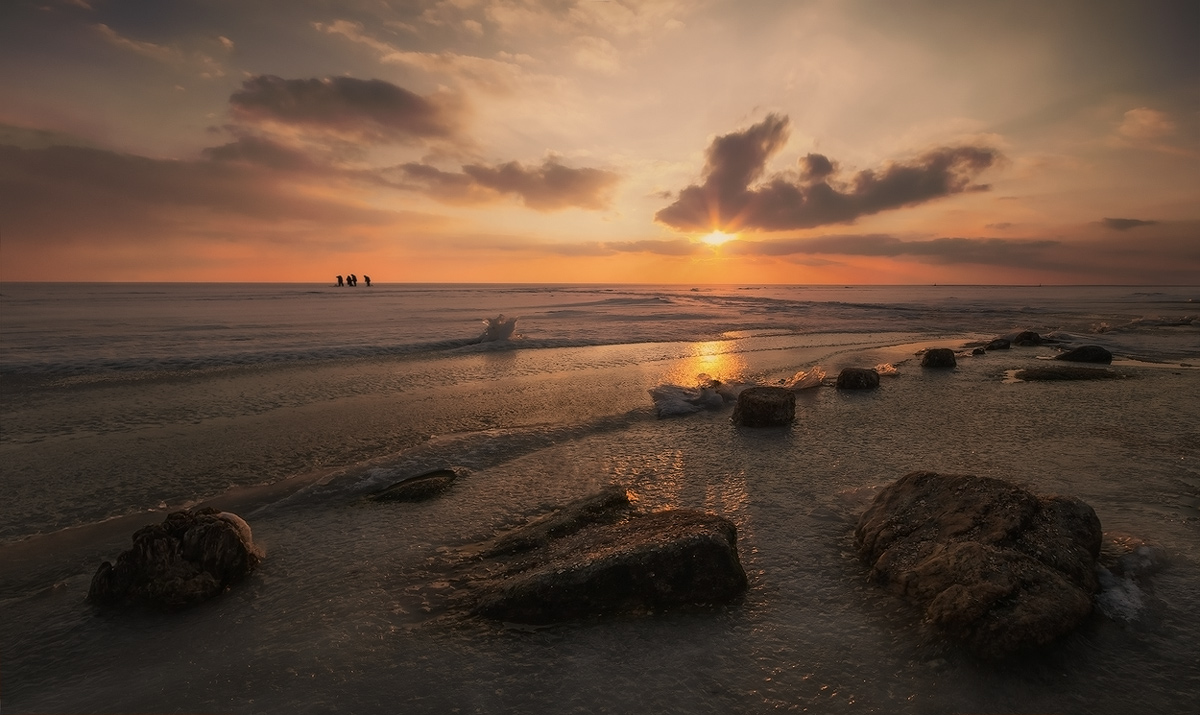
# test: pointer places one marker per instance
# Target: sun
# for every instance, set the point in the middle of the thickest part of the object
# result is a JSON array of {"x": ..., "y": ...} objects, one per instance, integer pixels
[{"x": 716, "y": 238}]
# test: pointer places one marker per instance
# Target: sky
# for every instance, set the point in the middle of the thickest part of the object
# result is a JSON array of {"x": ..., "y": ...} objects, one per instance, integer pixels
[{"x": 633, "y": 141}]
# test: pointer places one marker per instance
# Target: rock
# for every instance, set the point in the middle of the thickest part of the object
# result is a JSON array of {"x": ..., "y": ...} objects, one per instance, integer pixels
[
  {"x": 998, "y": 344},
  {"x": 979, "y": 351},
  {"x": 765, "y": 407},
  {"x": 1046, "y": 374},
  {"x": 418, "y": 488},
  {"x": 1087, "y": 353},
  {"x": 938, "y": 357},
  {"x": 666, "y": 559},
  {"x": 190, "y": 557},
  {"x": 857, "y": 378},
  {"x": 993, "y": 565},
  {"x": 1026, "y": 338}
]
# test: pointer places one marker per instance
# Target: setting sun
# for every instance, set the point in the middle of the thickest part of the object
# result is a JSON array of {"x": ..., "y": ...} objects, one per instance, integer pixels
[{"x": 716, "y": 238}]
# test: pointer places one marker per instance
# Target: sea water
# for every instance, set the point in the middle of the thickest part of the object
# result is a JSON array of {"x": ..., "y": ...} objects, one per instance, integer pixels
[{"x": 291, "y": 403}]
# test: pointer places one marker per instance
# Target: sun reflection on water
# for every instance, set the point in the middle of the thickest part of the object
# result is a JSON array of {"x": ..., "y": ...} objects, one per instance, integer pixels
[{"x": 714, "y": 358}]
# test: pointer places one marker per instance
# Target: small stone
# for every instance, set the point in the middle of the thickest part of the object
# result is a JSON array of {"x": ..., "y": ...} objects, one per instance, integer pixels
[
  {"x": 857, "y": 378},
  {"x": 939, "y": 358},
  {"x": 765, "y": 407}
]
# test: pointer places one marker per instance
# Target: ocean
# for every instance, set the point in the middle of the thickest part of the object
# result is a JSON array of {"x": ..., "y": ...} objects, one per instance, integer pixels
[{"x": 289, "y": 404}]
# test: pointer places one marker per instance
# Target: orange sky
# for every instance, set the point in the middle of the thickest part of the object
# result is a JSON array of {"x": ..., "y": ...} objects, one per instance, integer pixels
[{"x": 600, "y": 141}]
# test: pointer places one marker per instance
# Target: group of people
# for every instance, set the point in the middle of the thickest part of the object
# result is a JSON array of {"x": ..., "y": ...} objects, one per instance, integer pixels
[{"x": 352, "y": 280}]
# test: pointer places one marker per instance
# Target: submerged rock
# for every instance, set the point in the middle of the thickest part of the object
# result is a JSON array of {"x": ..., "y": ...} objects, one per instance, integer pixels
[
  {"x": 765, "y": 407},
  {"x": 606, "y": 506},
  {"x": 857, "y": 378},
  {"x": 1048, "y": 374},
  {"x": 1026, "y": 338},
  {"x": 993, "y": 565},
  {"x": 190, "y": 557},
  {"x": 938, "y": 357},
  {"x": 1087, "y": 353},
  {"x": 418, "y": 488}
]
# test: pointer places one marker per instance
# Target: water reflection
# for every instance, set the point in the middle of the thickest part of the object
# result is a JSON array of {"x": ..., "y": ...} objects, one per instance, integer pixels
[{"x": 718, "y": 359}]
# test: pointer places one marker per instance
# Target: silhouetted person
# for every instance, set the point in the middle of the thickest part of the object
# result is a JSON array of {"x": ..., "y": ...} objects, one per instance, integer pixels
[
  {"x": 351, "y": 280},
  {"x": 340, "y": 283},
  {"x": 367, "y": 279}
]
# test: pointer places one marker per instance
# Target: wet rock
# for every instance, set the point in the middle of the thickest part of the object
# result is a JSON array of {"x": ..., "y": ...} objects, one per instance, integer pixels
[
  {"x": 1087, "y": 353},
  {"x": 998, "y": 344},
  {"x": 1048, "y": 374},
  {"x": 418, "y": 488},
  {"x": 993, "y": 565},
  {"x": 857, "y": 378},
  {"x": 979, "y": 351},
  {"x": 939, "y": 358},
  {"x": 765, "y": 407},
  {"x": 190, "y": 557},
  {"x": 646, "y": 562}
]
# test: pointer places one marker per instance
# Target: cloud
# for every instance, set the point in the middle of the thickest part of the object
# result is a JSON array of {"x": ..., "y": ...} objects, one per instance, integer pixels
[
  {"x": 263, "y": 152},
  {"x": 982, "y": 251},
  {"x": 1124, "y": 224},
  {"x": 549, "y": 187},
  {"x": 363, "y": 109},
  {"x": 199, "y": 61},
  {"x": 729, "y": 197}
]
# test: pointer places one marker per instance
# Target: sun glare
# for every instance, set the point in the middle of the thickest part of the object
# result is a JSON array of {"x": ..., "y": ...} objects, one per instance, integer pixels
[{"x": 716, "y": 238}]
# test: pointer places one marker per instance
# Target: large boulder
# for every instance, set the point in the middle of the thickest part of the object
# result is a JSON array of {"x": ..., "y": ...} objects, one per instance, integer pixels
[
  {"x": 857, "y": 378},
  {"x": 190, "y": 557},
  {"x": 765, "y": 407},
  {"x": 939, "y": 358},
  {"x": 1087, "y": 353},
  {"x": 993, "y": 565}
]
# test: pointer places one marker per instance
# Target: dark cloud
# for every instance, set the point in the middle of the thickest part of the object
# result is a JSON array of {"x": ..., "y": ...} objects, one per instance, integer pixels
[
  {"x": 983, "y": 251},
  {"x": 371, "y": 109},
  {"x": 1124, "y": 224},
  {"x": 71, "y": 193},
  {"x": 548, "y": 187},
  {"x": 814, "y": 197}
]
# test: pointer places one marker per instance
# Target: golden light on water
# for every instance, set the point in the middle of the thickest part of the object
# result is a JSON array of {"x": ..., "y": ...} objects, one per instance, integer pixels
[
  {"x": 713, "y": 359},
  {"x": 716, "y": 238}
]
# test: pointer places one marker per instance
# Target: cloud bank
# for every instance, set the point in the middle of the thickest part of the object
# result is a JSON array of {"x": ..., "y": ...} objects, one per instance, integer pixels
[
  {"x": 730, "y": 198},
  {"x": 549, "y": 187}
]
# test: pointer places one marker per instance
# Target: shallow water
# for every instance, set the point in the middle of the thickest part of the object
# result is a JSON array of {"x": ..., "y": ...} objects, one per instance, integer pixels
[{"x": 347, "y": 612}]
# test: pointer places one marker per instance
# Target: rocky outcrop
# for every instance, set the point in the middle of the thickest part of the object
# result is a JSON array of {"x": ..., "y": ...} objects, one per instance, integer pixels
[
  {"x": 994, "y": 566},
  {"x": 1052, "y": 374},
  {"x": 418, "y": 488},
  {"x": 1087, "y": 353},
  {"x": 190, "y": 557},
  {"x": 938, "y": 358},
  {"x": 765, "y": 407},
  {"x": 857, "y": 378}
]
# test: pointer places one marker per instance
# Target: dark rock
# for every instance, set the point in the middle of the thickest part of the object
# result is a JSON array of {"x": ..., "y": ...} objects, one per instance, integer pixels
[
  {"x": 190, "y": 557},
  {"x": 418, "y": 488},
  {"x": 666, "y": 559},
  {"x": 1026, "y": 338},
  {"x": 765, "y": 407},
  {"x": 857, "y": 378},
  {"x": 998, "y": 344},
  {"x": 993, "y": 565},
  {"x": 938, "y": 357},
  {"x": 1087, "y": 353},
  {"x": 979, "y": 351},
  {"x": 1047, "y": 374}
]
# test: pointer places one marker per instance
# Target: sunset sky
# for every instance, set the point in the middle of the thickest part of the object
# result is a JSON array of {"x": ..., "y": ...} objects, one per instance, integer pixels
[{"x": 828, "y": 141}]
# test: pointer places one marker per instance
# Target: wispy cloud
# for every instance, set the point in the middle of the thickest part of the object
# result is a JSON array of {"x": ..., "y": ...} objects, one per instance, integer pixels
[{"x": 549, "y": 187}]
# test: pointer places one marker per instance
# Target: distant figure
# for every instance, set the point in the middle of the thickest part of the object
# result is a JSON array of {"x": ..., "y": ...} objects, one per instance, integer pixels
[
  {"x": 340, "y": 283},
  {"x": 351, "y": 280},
  {"x": 367, "y": 279}
]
